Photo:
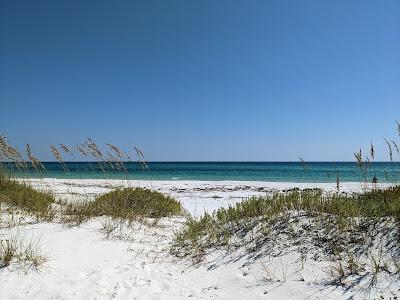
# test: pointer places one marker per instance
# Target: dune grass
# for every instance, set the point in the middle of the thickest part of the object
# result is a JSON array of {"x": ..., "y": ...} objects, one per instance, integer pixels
[
  {"x": 130, "y": 203},
  {"x": 127, "y": 204},
  {"x": 15, "y": 247},
  {"x": 19, "y": 195},
  {"x": 338, "y": 216}
]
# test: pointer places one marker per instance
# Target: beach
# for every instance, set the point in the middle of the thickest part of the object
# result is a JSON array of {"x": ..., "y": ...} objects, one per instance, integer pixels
[
  {"x": 136, "y": 263},
  {"x": 231, "y": 150}
]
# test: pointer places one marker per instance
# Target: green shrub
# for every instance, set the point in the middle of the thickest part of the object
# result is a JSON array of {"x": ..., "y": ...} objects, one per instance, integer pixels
[
  {"x": 131, "y": 203},
  {"x": 22, "y": 196}
]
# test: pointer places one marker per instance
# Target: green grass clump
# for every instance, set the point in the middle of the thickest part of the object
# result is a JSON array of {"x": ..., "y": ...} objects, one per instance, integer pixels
[
  {"x": 124, "y": 204},
  {"x": 130, "y": 203},
  {"x": 121, "y": 208},
  {"x": 76, "y": 212},
  {"x": 338, "y": 215},
  {"x": 22, "y": 196},
  {"x": 16, "y": 248}
]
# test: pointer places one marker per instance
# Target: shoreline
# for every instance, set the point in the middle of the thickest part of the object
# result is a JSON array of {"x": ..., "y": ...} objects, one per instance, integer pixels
[{"x": 180, "y": 179}]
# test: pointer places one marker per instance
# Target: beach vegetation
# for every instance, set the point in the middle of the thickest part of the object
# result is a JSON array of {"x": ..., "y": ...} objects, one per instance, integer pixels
[
  {"x": 16, "y": 248},
  {"x": 129, "y": 204},
  {"x": 347, "y": 229},
  {"x": 22, "y": 196}
]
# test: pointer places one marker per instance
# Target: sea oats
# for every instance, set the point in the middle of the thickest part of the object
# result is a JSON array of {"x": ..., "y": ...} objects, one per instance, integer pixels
[
  {"x": 304, "y": 165},
  {"x": 36, "y": 163},
  {"x": 396, "y": 147},
  {"x": 390, "y": 149},
  {"x": 58, "y": 157},
  {"x": 141, "y": 158},
  {"x": 372, "y": 152},
  {"x": 11, "y": 153},
  {"x": 65, "y": 149},
  {"x": 81, "y": 149},
  {"x": 95, "y": 152},
  {"x": 119, "y": 161}
]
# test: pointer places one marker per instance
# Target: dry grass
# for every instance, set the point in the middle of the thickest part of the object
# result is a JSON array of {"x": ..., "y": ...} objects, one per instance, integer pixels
[{"x": 16, "y": 248}]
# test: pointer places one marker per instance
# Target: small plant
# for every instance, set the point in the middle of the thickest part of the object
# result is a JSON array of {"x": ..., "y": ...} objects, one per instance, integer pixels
[
  {"x": 378, "y": 264},
  {"x": 303, "y": 258},
  {"x": 109, "y": 225},
  {"x": 8, "y": 251},
  {"x": 338, "y": 271},
  {"x": 10, "y": 218},
  {"x": 16, "y": 248},
  {"x": 275, "y": 272},
  {"x": 353, "y": 264}
]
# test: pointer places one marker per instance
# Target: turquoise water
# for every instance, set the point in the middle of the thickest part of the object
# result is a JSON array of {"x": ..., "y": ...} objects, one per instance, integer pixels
[{"x": 242, "y": 171}]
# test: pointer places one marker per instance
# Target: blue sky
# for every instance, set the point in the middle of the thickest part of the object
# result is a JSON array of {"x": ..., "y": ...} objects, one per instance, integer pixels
[{"x": 202, "y": 80}]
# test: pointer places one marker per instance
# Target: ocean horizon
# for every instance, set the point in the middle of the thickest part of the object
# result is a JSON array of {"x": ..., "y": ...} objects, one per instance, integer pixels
[{"x": 216, "y": 171}]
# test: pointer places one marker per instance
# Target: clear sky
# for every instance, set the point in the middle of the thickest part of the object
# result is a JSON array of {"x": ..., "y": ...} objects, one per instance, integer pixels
[{"x": 202, "y": 80}]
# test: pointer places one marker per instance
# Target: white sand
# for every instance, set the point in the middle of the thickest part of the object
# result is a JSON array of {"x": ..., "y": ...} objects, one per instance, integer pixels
[{"x": 83, "y": 264}]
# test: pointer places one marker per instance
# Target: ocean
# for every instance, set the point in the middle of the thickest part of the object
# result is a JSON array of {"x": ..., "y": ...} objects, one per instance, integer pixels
[{"x": 210, "y": 171}]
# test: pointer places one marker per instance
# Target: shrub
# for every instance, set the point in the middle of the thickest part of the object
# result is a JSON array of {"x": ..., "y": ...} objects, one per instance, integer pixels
[
  {"x": 20, "y": 195},
  {"x": 129, "y": 203}
]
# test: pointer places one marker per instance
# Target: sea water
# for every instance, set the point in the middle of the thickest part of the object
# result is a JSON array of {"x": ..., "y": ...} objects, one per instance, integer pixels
[{"x": 217, "y": 171}]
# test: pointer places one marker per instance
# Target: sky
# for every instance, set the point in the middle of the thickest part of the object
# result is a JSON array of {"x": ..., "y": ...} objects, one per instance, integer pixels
[{"x": 202, "y": 80}]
